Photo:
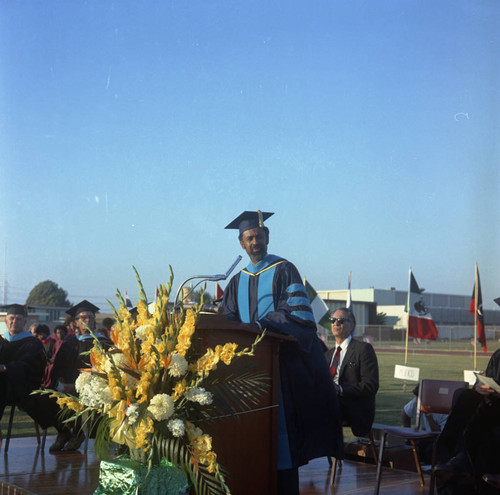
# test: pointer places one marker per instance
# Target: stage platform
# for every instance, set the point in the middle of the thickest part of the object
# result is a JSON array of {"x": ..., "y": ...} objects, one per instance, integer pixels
[{"x": 74, "y": 473}]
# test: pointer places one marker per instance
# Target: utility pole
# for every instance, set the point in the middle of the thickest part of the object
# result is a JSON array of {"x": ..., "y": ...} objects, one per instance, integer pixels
[{"x": 4, "y": 300}]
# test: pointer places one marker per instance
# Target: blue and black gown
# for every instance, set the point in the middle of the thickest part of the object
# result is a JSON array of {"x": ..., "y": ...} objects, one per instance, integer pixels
[{"x": 272, "y": 293}]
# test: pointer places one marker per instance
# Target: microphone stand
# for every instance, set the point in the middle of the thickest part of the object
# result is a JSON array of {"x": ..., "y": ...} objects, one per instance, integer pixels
[{"x": 206, "y": 278}]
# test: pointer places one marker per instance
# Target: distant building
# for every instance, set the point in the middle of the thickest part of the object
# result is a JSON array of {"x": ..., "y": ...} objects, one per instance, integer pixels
[{"x": 450, "y": 312}]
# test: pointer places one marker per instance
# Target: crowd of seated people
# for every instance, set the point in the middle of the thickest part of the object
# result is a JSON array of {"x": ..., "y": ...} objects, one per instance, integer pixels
[{"x": 30, "y": 360}]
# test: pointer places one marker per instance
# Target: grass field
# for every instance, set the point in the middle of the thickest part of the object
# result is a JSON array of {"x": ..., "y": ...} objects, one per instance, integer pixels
[{"x": 391, "y": 396}]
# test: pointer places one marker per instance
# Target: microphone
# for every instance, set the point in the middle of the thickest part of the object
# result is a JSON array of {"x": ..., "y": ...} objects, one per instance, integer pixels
[{"x": 207, "y": 278}]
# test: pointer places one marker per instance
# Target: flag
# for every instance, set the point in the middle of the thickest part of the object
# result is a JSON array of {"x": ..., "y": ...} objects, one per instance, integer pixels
[
  {"x": 218, "y": 292},
  {"x": 348, "y": 303},
  {"x": 420, "y": 324},
  {"x": 128, "y": 302},
  {"x": 319, "y": 308},
  {"x": 476, "y": 306}
]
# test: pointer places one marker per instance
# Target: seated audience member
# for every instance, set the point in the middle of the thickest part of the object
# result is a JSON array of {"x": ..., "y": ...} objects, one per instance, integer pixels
[
  {"x": 70, "y": 324},
  {"x": 84, "y": 313},
  {"x": 52, "y": 348},
  {"x": 22, "y": 364},
  {"x": 468, "y": 449},
  {"x": 73, "y": 353},
  {"x": 354, "y": 369},
  {"x": 428, "y": 422},
  {"x": 42, "y": 333},
  {"x": 108, "y": 323}
]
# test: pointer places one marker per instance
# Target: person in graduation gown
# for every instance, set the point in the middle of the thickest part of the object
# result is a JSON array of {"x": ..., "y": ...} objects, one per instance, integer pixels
[
  {"x": 73, "y": 353},
  {"x": 269, "y": 293},
  {"x": 22, "y": 365},
  {"x": 355, "y": 373}
]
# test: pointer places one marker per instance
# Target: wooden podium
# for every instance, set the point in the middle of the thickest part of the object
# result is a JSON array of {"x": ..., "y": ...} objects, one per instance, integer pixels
[{"x": 246, "y": 444}]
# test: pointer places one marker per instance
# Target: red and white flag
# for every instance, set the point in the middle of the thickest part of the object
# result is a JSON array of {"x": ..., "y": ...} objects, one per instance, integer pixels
[
  {"x": 218, "y": 292},
  {"x": 476, "y": 306},
  {"x": 420, "y": 323}
]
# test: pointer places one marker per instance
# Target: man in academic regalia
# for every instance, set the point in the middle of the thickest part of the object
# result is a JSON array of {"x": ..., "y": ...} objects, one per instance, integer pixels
[
  {"x": 269, "y": 293},
  {"x": 73, "y": 354},
  {"x": 22, "y": 365}
]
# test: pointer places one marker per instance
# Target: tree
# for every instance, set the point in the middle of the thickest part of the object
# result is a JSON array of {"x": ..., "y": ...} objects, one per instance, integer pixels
[
  {"x": 48, "y": 293},
  {"x": 381, "y": 318},
  {"x": 207, "y": 297}
]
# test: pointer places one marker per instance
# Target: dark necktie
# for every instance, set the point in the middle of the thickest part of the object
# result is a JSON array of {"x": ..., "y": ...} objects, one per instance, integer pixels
[{"x": 335, "y": 362}]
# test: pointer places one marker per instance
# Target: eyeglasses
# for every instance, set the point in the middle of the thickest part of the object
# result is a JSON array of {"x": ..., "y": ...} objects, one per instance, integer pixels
[
  {"x": 85, "y": 317},
  {"x": 340, "y": 321}
]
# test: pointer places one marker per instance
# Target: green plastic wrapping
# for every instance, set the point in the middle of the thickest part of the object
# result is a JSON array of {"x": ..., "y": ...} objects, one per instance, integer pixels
[{"x": 123, "y": 476}]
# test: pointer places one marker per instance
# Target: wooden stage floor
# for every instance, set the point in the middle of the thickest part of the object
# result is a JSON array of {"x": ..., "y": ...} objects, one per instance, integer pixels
[{"x": 75, "y": 473}]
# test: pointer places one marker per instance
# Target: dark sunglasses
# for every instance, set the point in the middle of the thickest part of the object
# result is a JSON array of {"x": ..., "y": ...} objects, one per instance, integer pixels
[{"x": 340, "y": 321}]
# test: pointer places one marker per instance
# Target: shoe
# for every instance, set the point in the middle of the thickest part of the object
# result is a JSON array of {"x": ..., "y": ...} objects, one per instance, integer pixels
[
  {"x": 62, "y": 437},
  {"x": 492, "y": 479},
  {"x": 74, "y": 442},
  {"x": 457, "y": 467}
]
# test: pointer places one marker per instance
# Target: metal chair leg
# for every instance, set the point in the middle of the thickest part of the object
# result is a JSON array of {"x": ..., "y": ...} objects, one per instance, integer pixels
[
  {"x": 379, "y": 463},
  {"x": 42, "y": 447},
  {"x": 37, "y": 433},
  {"x": 9, "y": 428},
  {"x": 333, "y": 471},
  {"x": 373, "y": 447},
  {"x": 417, "y": 463}
]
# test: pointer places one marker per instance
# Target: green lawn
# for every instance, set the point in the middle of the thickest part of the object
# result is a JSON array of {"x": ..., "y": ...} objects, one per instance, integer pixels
[{"x": 391, "y": 395}]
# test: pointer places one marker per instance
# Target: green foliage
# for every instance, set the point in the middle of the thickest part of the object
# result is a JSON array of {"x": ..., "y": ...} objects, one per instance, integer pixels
[
  {"x": 201, "y": 296},
  {"x": 381, "y": 318},
  {"x": 178, "y": 453},
  {"x": 48, "y": 293}
]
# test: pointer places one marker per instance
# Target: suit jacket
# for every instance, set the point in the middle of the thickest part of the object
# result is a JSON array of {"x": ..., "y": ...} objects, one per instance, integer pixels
[{"x": 358, "y": 377}]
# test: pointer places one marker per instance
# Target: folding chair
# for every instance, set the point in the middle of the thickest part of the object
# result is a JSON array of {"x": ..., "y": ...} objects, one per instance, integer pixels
[{"x": 434, "y": 396}]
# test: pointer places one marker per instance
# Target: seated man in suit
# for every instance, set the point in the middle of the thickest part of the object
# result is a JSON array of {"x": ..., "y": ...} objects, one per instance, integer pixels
[{"x": 354, "y": 369}]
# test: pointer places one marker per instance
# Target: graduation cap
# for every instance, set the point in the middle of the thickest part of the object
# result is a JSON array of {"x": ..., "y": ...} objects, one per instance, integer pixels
[
  {"x": 81, "y": 307},
  {"x": 249, "y": 220},
  {"x": 497, "y": 300},
  {"x": 16, "y": 309}
]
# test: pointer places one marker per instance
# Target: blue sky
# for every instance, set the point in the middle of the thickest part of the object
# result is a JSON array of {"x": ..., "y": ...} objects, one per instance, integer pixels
[{"x": 132, "y": 132}]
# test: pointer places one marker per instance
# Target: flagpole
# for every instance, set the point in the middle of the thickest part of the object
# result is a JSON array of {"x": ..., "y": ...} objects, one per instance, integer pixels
[
  {"x": 475, "y": 315},
  {"x": 348, "y": 296},
  {"x": 408, "y": 319}
]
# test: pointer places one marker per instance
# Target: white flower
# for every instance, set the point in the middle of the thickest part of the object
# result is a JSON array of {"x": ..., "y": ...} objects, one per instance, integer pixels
[
  {"x": 141, "y": 332},
  {"x": 93, "y": 391},
  {"x": 161, "y": 407},
  {"x": 176, "y": 426},
  {"x": 132, "y": 413},
  {"x": 178, "y": 365},
  {"x": 118, "y": 359},
  {"x": 199, "y": 395}
]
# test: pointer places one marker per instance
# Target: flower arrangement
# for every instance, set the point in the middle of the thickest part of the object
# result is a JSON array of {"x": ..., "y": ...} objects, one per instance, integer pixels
[{"x": 149, "y": 392}]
